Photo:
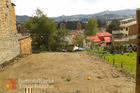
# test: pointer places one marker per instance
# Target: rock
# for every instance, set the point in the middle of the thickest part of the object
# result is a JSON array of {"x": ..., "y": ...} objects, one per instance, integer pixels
[
  {"x": 115, "y": 76},
  {"x": 89, "y": 78},
  {"x": 99, "y": 77},
  {"x": 68, "y": 79}
]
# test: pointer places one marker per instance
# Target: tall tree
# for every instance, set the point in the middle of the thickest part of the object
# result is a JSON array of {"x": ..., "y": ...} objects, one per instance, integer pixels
[
  {"x": 91, "y": 27},
  {"x": 44, "y": 32}
]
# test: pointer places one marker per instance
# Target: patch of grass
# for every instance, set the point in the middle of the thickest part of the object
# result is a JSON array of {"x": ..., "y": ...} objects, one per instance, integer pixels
[{"x": 126, "y": 61}]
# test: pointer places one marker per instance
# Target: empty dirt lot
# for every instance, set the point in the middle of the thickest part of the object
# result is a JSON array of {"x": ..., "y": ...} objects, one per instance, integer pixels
[{"x": 76, "y": 72}]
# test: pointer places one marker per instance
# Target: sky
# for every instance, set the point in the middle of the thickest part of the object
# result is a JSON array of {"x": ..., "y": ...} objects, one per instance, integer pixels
[{"x": 55, "y": 8}]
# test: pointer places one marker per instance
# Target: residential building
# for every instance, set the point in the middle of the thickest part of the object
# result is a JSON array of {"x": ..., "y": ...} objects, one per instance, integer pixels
[
  {"x": 125, "y": 24},
  {"x": 130, "y": 38},
  {"x": 125, "y": 28},
  {"x": 102, "y": 38}
]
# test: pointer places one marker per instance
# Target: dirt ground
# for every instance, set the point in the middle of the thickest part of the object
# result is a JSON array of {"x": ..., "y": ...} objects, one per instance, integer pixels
[{"x": 76, "y": 72}]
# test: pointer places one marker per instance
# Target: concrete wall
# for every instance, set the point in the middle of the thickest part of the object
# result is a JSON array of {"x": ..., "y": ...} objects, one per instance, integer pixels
[{"x": 9, "y": 47}]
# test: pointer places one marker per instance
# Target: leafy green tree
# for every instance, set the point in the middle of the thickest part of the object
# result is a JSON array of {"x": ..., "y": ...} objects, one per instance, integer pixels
[
  {"x": 91, "y": 27},
  {"x": 78, "y": 41},
  {"x": 60, "y": 41},
  {"x": 113, "y": 26},
  {"x": 101, "y": 23},
  {"x": 44, "y": 32}
]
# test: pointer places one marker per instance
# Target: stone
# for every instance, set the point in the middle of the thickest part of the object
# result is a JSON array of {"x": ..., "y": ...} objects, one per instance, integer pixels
[{"x": 9, "y": 46}]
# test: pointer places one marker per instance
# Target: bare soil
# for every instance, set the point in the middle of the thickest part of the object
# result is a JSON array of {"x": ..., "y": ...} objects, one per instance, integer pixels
[{"x": 75, "y": 72}]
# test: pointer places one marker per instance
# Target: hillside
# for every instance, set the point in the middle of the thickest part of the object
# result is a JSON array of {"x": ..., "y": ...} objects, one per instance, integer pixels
[
  {"x": 105, "y": 15},
  {"x": 21, "y": 19}
]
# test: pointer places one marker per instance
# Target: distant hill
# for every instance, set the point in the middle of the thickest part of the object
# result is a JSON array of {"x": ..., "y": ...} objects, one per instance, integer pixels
[
  {"x": 21, "y": 19},
  {"x": 105, "y": 15},
  {"x": 126, "y": 12}
]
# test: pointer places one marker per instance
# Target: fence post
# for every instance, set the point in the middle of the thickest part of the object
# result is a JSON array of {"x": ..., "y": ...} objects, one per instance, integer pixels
[
  {"x": 108, "y": 60},
  {"x": 131, "y": 69},
  {"x": 121, "y": 64},
  {"x": 138, "y": 53},
  {"x": 113, "y": 61}
]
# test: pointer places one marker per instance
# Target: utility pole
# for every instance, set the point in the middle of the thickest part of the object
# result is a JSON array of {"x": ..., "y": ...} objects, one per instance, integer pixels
[{"x": 138, "y": 53}]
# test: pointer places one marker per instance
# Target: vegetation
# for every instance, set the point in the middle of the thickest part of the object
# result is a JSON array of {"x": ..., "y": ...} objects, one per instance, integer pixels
[
  {"x": 91, "y": 27},
  {"x": 44, "y": 33},
  {"x": 72, "y": 25},
  {"x": 126, "y": 61},
  {"x": 113, "y": 26},
  {"x": 101, "y": 23},
  {"x": 78, "y": 41},
  {"x": 123, "y": 56},
  {"x": 120, "y": 49}
]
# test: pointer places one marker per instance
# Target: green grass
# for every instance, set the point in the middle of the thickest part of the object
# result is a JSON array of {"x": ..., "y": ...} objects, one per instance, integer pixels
[{"x": 128, "y": 60}]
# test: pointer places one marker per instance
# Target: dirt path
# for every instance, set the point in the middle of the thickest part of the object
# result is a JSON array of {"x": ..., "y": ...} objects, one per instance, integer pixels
[{"x": 72, "y": 73}]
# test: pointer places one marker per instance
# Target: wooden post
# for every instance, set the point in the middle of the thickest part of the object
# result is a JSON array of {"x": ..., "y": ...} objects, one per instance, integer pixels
[
  {"x": 121, "y": 64},
  {"x": 138, "y": 54},
  {"x": 113, "y": 61}
]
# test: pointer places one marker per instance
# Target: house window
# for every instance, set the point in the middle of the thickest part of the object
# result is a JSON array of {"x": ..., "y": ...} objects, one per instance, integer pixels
[{"x": 127, "y": 29}]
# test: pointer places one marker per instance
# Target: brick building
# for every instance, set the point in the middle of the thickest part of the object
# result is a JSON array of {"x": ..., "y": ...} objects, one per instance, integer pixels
[{"x": 9, "y": 39}]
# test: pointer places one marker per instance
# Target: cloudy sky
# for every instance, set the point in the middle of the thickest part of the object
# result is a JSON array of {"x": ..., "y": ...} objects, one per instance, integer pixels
[{"x": 55, "y": 8}]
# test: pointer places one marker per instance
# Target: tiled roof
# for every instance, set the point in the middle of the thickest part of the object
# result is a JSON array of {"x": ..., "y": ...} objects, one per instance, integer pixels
[
  {"x": 107, "y": 39},
  {"x": 104, "y": 34},
  {"x": 93, "y": 38}
]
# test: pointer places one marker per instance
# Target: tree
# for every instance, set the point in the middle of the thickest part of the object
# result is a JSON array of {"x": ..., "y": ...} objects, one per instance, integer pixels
[
  {"x": 113, "y": 26},
  {"x": 44, "y": 32},
  {"x": 91, "y": 27},
  {"x": 78, "y": 41},
  {"x": 101, "y": 23},
  {"x": 60, "y": 41}
]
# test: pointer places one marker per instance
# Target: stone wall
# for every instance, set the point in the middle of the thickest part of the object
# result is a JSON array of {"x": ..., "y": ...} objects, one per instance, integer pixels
[
  {"x": 25, "y": 45},
  {"x": 9, "y": 47}
]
